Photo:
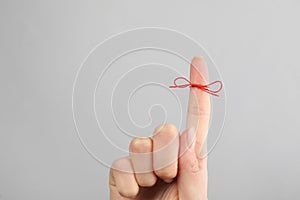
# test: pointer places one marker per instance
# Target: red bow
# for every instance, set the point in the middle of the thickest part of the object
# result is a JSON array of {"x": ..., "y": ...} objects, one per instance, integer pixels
[{"x": 204, "y": 88}]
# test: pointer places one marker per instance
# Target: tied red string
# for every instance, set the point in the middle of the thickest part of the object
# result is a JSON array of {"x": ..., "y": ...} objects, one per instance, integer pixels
[{"x": 205, "y": 88}]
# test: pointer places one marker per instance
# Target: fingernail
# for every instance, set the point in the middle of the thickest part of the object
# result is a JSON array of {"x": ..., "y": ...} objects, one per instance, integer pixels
[
  {"x": 169, "y": 180},
  {"x": 191, "y": 138}
]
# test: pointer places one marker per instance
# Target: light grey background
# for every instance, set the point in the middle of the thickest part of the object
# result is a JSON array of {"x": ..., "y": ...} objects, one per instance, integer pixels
[{"x": 254, "y": 43}]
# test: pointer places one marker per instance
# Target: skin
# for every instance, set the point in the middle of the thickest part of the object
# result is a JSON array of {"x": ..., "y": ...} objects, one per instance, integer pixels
[{"x": 168, "y": 165}]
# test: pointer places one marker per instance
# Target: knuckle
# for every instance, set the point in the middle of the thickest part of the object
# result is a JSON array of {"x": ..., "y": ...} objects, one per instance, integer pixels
[
  {"x": 190, "y": 165},
  {"x": 199, "y": 111},
  {"x": 116, "y": 165},
  {"x": 121, "y": 165},
  {"x": 140, "y": 144},
  {"x": 169, "y": 129}
]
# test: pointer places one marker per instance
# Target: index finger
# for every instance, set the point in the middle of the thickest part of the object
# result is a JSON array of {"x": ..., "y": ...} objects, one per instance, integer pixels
[{"x": 198, "y": 113}]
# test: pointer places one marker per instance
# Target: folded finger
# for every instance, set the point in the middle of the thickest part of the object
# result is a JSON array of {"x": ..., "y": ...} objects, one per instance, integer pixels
[
  {"x": 141, "y": 157},
  {"x": 122, "y": 177},
  {"x": 165, "y": 152}
]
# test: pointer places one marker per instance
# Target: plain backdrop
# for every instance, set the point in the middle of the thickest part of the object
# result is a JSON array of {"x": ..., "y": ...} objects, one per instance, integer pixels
[{"x": 255, "y": 44}]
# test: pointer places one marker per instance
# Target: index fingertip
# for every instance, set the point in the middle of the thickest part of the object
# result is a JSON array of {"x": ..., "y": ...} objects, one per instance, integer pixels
[{"x": 199, "y": 70}]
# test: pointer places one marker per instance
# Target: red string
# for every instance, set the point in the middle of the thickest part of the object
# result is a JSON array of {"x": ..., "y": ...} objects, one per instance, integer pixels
[{"x": 205, "y": 88}]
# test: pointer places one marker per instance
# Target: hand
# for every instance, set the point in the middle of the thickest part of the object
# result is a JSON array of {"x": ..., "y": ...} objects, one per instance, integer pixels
[{"x": 168, "y": 166}]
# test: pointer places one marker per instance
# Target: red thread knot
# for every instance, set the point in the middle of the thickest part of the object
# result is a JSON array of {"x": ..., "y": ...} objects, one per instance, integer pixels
[{"x": 205, "y": 88}]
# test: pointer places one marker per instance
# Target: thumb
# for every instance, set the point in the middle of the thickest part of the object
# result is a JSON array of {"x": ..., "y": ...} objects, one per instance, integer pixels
[{"x": 192, "y": 171}]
